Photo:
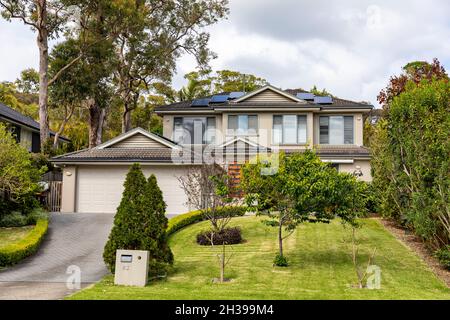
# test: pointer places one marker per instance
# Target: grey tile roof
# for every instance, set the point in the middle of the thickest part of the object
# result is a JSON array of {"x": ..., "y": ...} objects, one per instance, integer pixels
[
  {"x": 163, "y": 155},
  {"x": 337, "y": 103},
  {"x": 13, "y": 115}
]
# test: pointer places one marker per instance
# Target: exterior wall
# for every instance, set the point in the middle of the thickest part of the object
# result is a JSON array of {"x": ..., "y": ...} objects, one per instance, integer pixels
[
  {"x": 168, "y": 126},
  {"x": 364, "y": 166},
  {"x": 68, "y": 196}
]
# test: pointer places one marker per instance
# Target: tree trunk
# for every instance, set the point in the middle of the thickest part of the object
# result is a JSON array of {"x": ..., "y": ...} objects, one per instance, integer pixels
[
  {"x": 95, "y": 123},
  {"x": 42, "y": 42},
  {"x": 101, "y": 122},
  {"x": 280, "y": 235},
  {"x": 126, "y": 119},
  {"x": 222, "y": 264}
]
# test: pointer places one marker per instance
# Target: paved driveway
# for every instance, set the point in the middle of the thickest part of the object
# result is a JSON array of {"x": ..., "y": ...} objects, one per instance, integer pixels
[{"x": 75, "y": 240}]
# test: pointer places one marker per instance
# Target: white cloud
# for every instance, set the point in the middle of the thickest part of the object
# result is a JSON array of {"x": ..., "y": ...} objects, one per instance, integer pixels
[{"x": 351, "y": 47}]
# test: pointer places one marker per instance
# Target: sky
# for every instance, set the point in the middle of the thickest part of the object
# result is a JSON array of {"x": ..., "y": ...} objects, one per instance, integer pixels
[{"x": 349, "y": 47}]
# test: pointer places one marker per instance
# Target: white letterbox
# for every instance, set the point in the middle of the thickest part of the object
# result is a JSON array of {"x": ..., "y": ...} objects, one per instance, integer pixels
[{"x": 131, "y": 268}]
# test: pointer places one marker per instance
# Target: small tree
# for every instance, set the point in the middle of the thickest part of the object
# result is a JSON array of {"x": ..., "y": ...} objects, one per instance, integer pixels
[
  {"x": 207, "y": 188},
  {"x": 303, "y": 189},
  {"x": 139, "y": 223}
]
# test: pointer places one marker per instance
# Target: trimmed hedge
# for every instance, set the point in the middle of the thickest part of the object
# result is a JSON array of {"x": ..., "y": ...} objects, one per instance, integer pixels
[
  {"x": 13, "y": 253},
  {"x": 226, "y": 236},
  {"x": 183, "y": 220}
]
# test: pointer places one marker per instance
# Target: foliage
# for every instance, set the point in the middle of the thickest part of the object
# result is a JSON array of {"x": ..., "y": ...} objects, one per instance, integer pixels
[
  {"x": 226, "y": 236},
  {"x": 300, "y": 188},
  {"x": 415, "y": 72},
  {"x": 183, "y": 220},
  {"x": 140, "y": 223},
  {"x": 15, "y": 100},
  {"x": 18, "y": 176},
  {"x": 25, "y": 247},
  {"x": 28, "y": 81},
  {"x": 13, "y": 219},
  {"x": 280, "y": 261},
  {"x": 321, "y": 93},
  {"x": 443, "y": 254},
  {"x": 410, "y": 160},
  {"x": 208, "y": 188}
]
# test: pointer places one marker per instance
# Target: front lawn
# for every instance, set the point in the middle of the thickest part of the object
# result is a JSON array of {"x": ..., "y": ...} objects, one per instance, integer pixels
[
  {"x": 10, "y": 235},
  {"x": 320, "y": 267}
]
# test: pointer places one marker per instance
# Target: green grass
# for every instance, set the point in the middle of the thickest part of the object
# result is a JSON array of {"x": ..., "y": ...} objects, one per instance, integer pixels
[
  {"x": 320, "y": 267},
  {"x": 11, "y": 235}
]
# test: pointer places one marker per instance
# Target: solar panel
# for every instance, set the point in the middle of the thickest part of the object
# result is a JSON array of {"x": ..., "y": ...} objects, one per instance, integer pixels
[
  {"x": 305, "y": 96},
  {"x": 323, "y": 100},
  {"x": 219, "y": 98},
  {"x": 200, "y": 102},
  {"x": 236, "y": 94}
]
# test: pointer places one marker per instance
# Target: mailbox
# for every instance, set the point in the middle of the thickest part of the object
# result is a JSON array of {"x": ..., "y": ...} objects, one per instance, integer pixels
[{"x": 131, "y": 268}]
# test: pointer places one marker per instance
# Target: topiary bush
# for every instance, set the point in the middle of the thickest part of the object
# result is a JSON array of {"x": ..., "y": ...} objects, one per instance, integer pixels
[
  {"x": 140, "y": 223},
  {"x": 226, "y": 236},
  {"x": 21, "y": 249}
]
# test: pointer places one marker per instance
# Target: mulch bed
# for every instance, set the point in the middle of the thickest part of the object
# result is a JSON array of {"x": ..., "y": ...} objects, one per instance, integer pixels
[{"x": 413, "y": 242}]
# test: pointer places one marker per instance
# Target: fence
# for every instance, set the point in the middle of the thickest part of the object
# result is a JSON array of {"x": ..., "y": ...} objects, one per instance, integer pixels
[{"x": 53, "y": 196}]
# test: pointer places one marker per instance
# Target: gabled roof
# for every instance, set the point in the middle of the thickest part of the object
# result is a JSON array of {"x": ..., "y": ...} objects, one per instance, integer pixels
[
  {"x": 280, "y": 92},
  {"x": 12, "y": 115},
  {"x": 241, "y": 145},
  {"x": 247, "y": 102},
  {"x": 167, "y": 152},
  {"x": 163, "y": 141}
]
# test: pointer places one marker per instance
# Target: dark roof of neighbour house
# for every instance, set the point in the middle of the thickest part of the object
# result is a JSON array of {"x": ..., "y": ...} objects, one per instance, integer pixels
[
  {"x": 15, "y": 116},
  {"x": 190, "y": 105}
]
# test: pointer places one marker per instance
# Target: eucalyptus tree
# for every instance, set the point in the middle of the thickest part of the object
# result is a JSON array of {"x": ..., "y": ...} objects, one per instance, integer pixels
[
  {"x": 48, "y": 19},
  {"x": 154, "y": 35}
]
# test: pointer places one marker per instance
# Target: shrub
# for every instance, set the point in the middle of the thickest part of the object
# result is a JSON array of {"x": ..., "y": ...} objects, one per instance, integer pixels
[
  {"x": 443, "y": 255},
  {"x": 14, "y": 219},
  {"x": 35, "y": 215},
  {"x": 140, "y": 223},
  {"x": 280, "y": 261},
  {"x": 21, "y": 249},
  {"x": 226, "y": 236},
  {"x": 183, "y": 220}
]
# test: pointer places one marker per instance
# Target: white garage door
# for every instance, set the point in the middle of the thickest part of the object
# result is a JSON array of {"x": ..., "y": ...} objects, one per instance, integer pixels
[{"x": 99, "y": 188}]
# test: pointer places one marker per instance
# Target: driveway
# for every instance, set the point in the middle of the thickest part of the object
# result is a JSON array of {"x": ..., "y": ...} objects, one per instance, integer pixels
[{"x": 74, "y": 241}]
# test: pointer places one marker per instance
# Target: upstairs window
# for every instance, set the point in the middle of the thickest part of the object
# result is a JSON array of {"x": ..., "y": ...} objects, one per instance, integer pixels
[
  {"x": 188, "y": 130},
  {"x": 289, "y": 129},
  {"x": 336, "y": 129},
  {"x": 243, "y": 124}
]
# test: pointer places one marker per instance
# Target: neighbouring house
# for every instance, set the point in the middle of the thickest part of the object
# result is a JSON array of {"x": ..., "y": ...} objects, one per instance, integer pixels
[
  {"x": 24, "y": 128},
  {"x": 230, "y": 128}
]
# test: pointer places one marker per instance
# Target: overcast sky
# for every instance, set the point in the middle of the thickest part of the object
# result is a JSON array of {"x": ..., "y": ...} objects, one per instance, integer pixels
[{"x": 349, "y": 47}]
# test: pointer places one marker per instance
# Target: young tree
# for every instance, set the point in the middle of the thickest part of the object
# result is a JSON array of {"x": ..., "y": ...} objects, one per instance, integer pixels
[
  {"x": 301, "y": 189},
  {"x": 28, "y": 81},
  {"x": 207, "y": 188},
  {"x": 139, "y": 223}
]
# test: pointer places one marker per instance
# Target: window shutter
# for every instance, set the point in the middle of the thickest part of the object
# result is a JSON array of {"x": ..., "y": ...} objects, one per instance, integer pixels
[
  {"x": 324, "y": 127},
  {"x": 232, "y": 122},
  {"x": 253, "y": 124},
  {"x": 348, "y": 130},
  {"x": 301, "y": 129}
]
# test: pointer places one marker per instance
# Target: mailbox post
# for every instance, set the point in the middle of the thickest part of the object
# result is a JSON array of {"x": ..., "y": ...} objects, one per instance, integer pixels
[{"x": 131, "y": 268}]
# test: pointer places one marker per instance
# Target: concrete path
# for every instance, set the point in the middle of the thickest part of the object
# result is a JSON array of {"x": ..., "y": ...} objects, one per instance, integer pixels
[{"x": 74, "y": 241}]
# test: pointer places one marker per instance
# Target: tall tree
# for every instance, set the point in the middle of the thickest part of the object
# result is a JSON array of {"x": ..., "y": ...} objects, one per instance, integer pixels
[
  {"x": 47, "y": 18},
  {"x": 154, "y": 35}
]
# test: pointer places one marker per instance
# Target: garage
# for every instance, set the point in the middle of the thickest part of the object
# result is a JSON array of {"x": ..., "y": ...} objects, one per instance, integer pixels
[
  {"x": 93, "y": 178},
  {"x": 99, "y": 188}
]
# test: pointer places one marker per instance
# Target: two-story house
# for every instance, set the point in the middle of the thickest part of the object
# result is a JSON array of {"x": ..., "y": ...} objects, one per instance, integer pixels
[{"x": 229, "y": 127}]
